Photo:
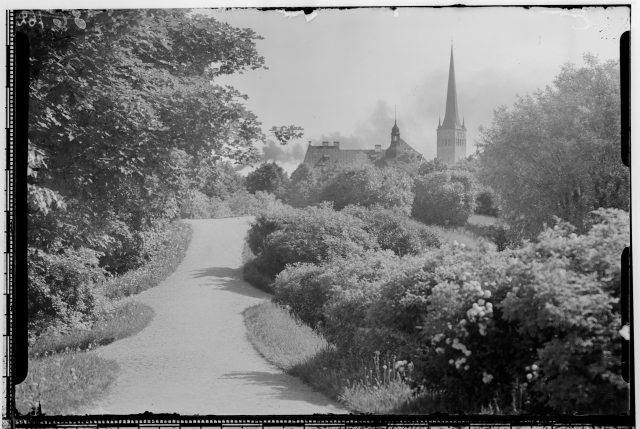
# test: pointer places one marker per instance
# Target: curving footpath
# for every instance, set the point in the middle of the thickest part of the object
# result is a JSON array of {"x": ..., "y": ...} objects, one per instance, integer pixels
[{"x": 194, "y": 356}]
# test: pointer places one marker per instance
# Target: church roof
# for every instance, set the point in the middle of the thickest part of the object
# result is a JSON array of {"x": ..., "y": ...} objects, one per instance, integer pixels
[
  {"x": 325, "y": 156},
  {"x": 451, "y": 118},
  {"x": 320, "y": 156}
]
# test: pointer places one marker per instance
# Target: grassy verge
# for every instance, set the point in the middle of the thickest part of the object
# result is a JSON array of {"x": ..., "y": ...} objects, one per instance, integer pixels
[
  {"x": 64, "y": 382},
  {"x": 482, "y": 220},
  {"x": 128, "y": 318},
  {"x": 62, "y": 375},
  {"x": 298, "y": 350}
]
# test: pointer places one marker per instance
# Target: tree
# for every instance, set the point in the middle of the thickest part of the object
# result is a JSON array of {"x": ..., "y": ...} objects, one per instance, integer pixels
[
  {"x": 121, "y": 102},
  {"x": 123, "y": 105},
  {"x": 445, "y": 198},
  {"x": 557, "y": 153},
  {"x": 219, "y": 179},
  {"x": 304, "y": 187},
  {"x": 431, "y": 166},
  {"x": 269, "y": 177},
  {"x": 368, "y": 185}
]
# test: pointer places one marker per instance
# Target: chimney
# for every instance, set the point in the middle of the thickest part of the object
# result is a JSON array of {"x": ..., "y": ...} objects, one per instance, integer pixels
[
  {"x": 378, "y": 148},
  {"x": 325, "y": 144},
  {"x": 336, "y": 145},
  {"x": 310, "y": 142}
]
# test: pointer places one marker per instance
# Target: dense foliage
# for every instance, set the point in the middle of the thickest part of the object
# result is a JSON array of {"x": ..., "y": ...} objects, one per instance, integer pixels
[
  {"x": 268, "y": 177},
  {"x": 313, "y": 235},
  {"x": 445, "y": 198},
  {"x": 124, "y": 118},
  {"x": 304, "y": 187},
  {"x": 529, "y": 330},
  {"x": 369, "y": 185},
  {"x": 395, "y": 231},
  {"x": 557, "y": 152}
]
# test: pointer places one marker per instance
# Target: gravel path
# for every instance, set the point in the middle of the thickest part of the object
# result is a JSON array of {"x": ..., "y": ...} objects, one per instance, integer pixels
[{"x": 194, "y": 357}]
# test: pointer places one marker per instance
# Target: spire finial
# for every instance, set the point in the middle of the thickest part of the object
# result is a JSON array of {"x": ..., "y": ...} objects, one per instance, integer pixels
[{"x": 395, "y": 114}]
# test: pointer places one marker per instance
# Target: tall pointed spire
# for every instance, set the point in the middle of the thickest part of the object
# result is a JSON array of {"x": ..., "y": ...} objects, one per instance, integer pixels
[{"x": 451, "y": 118}]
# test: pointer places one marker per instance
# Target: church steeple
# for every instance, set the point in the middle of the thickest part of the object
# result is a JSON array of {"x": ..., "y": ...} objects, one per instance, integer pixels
[
  {"x": 451, "y": 119},
  {"x": 452, "y": 135},
  {"x": 395, "y": 131}
]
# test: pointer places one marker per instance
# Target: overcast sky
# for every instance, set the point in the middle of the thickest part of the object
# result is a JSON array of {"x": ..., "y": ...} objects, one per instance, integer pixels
[{"x": 340, "y": 74}]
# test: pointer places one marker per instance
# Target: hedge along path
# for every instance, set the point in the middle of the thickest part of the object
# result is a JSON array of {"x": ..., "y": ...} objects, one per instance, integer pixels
[{"x": 194, "y": 357}]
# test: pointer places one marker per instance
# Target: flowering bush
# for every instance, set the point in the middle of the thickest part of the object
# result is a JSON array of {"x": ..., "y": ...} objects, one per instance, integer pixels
[
  {"x": 535, "y": 328},
  {"x": 395, "y": 231}
]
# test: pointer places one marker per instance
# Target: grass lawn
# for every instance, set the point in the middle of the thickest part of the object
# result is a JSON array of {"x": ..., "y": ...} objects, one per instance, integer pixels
[{"x": 482, "y": 220}]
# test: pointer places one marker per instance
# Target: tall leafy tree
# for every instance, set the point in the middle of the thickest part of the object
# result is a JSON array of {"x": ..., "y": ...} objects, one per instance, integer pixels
[
  {"x": 268, "y": 177},
  {"x": 120, "y": 103},
  {"x": 557, "y": 152},
  {"x": 122, "y": 106}
]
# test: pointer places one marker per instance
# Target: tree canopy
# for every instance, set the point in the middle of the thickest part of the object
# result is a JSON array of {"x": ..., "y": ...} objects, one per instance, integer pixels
[
  {"x": 557, "y": 152},
  {"x": 123, "y": 108},
  {"x": 269, "y": 177}
]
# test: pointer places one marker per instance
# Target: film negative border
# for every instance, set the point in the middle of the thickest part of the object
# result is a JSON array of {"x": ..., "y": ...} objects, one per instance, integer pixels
[
  {"x": 324, "y": 421},
  {"x": 163, "y": 420},
  {"x": 9, "y": 391}
]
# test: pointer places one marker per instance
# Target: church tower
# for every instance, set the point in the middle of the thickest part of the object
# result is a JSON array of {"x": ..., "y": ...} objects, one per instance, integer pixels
[{"x": 452, "y": 136}]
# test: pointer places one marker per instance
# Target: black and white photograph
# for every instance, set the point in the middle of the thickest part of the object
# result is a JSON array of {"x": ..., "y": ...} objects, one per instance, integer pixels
[{"x": 361, "y": 210}]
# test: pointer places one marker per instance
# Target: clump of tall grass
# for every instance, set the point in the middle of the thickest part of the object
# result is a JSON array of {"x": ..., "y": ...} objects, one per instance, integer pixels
[
  {"x": 63, "y": 382},
  {"x": 382, "y": 387}
]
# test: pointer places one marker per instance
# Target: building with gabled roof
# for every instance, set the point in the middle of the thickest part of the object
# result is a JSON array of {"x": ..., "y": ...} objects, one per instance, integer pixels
[{"x": 399, "y": 154}]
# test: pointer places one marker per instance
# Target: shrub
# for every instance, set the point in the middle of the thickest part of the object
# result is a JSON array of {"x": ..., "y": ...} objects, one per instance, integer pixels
[
  {"x": 368, "y": 186},
  {"x": 445, "y": 198},
  {"x": 242, "y": 203},
  {"x": 299, "y": 288},
  {"x": 486, "y": 203},
  {"x": 312, "y": 235},
  {"x": 535, "y": 329},
  {"x": 304, "y": 187},
  {"x": 335, "y": 296},
  {"x": 198, "y": 206},
  {"x": 62, "y": 288},
  {"x": 395, "y": 231},
  {"x": 355, "y": 287}
]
